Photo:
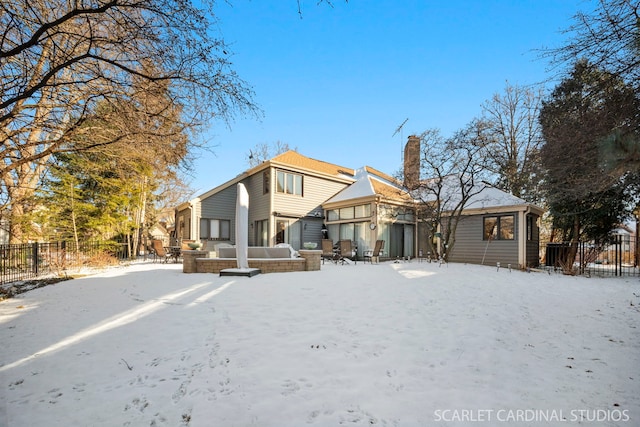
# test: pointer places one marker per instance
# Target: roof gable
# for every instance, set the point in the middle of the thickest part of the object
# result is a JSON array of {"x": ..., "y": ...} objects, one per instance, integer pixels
[
  {"x": 382, "y": 175},
  {"x": 291, "y": 159},
  {"x": 369, "y": 185}
]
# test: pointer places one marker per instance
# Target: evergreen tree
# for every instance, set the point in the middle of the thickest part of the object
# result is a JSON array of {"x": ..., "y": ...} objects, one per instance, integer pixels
[
  {"x": 110, "y": 189},
  {"x": 591, "y": 126}
]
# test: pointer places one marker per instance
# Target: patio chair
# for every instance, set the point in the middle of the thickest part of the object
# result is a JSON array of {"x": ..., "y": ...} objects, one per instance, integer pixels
[
  {"x": 327, "y": 250},
  {"x": 375, "y": 253},
  {"x": 160, "y": 251},
  {"x": 347, "y": 252}
]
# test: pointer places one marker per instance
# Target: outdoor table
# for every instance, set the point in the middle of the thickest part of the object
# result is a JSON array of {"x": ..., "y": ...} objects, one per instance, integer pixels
[{"x": 175, "y": 252}]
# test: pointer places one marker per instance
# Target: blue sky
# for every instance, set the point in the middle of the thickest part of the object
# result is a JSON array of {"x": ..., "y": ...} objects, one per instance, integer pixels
[{"x": 337, "y": 82}]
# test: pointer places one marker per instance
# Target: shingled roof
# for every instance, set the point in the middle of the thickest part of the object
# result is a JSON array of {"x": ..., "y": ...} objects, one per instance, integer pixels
[{"x": 296, "y": 159}]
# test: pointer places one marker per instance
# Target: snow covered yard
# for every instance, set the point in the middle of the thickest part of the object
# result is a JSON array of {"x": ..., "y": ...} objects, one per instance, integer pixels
[{"x": 409, "y": 344}]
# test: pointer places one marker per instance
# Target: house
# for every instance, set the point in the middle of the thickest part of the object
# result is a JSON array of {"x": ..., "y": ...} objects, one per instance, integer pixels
[
  {"x": 292, "y": 198},
  {"x": 624, "y": 245},
  {"x": 285, "y": 203},
  {"x": 497, "y": 227}
]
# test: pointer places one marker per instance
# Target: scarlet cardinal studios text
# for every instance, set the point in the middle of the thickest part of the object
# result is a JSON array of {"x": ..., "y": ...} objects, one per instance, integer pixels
[{"x": 531, "y": 415}]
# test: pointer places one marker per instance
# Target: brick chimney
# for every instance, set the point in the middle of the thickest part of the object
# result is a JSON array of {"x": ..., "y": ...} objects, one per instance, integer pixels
[{"x": 412, "y": 162}]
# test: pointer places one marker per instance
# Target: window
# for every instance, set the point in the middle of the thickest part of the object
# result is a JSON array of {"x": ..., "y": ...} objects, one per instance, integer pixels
[
  {"x": 532, "y": 228},
  {"x": 498, "y": 227},
  {"x": 282, "y": 231},
  {"x": 346, "y": 213},
  {"x": 396, "y": 213},
  {"x": 289, "y": 183},
  {"x": 262, "y": 228},
  {"x": 289, "y": 232},
  {"x": 490, "y": 228},
  {"x": 181, "y": 229},
  {"x": 352, "y": 212},
  {"x": 266, "y": 182},
  {"x": 215, "y": 229},
  {"x": 506, "y": 227},
  {"x": 363, "y": 211}
]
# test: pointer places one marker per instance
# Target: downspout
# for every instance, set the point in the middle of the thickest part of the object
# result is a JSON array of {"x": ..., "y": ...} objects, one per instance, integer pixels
[{"x": 522, "y": 238}]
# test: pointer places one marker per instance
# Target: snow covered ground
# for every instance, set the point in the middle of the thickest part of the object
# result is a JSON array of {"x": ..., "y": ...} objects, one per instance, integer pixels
[{"x": 410, "y": 344}]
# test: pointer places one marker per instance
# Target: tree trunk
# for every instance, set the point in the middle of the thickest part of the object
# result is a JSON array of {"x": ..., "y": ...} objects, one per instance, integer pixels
[{"x": 573, "y": 248}]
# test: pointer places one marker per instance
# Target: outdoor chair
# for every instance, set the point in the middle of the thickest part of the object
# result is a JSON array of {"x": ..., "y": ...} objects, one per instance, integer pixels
[
  {"x": 327, "y": 250},
  {"x": 151, "y": 251},
  {"x": 347, "y": 252},
  {"x": 375, "y": 253},
  {"x": 160, "y": 251}
]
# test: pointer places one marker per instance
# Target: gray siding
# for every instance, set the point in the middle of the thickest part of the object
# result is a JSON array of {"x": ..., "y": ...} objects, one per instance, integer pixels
[
  {"x": 471, "y": 248},
  {"x": 221, "y": 205},
  {"x": 533, "y": 254},
  {"x": 311, "y": 231},
  {"x": 315, "y": 192},
  {"x": 533, "y": 245}
]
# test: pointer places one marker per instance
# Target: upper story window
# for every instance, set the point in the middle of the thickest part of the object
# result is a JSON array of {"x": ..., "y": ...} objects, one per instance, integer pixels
[
  {"x": 352, "y": 212},
  {"x": 397, "y": 213},
  {"x": 498, "y": 227},
  {"x": 215, "y": 229},
  {"x": 289, "y": 183},
  {"x": 266, "y": 182}
]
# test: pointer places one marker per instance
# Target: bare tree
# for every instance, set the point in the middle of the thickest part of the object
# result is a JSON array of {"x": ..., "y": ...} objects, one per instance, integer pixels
[
  {"x": 609, "y": 39},
  {"x": 63, "y": 61},
  {"x": 513, "y": 139},
  {"x": 265, "y": 151},
  {"x": 453, "y": 173}
]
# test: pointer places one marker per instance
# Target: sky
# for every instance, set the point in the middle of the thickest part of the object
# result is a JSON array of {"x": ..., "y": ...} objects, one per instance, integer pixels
[
  {"x": 337, "y": 83},
  {"x": 403, "y": 345}
]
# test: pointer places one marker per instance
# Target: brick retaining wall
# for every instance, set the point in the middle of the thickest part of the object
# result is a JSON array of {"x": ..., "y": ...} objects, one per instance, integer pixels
[{"x": 196, "y": 262}]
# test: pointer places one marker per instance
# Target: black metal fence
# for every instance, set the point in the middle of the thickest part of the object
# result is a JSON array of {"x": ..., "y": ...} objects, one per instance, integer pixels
[
  {"x": 32, "y": 260},
  {"x": 616, "y": 257}
]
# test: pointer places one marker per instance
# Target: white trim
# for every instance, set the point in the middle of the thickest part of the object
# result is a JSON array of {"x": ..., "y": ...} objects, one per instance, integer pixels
[
  {"x": 522, "y": 239},
  {"x": 195, "y": 221}
]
